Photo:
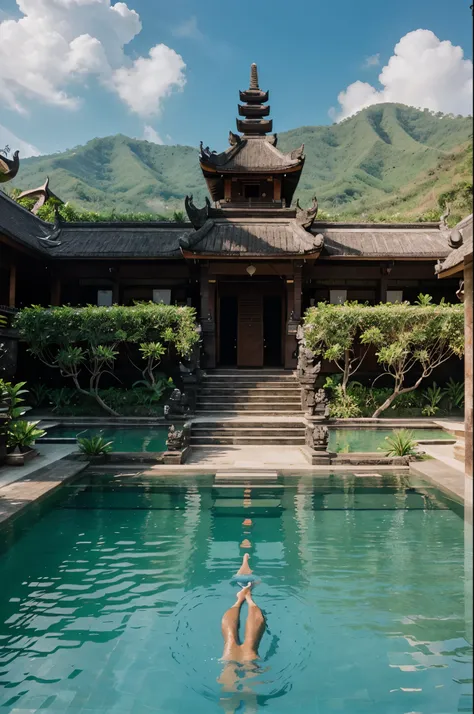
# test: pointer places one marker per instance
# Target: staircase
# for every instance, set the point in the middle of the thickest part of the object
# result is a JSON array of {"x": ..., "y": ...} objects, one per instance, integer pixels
[{"x": 248, "y": 408}]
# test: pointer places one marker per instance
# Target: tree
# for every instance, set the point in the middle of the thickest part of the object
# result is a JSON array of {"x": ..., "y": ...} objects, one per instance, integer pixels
[
  {"x": 413, "y": 340},
  {"x": 82, "y": 342},
  {"x": 332, "y": 331}
]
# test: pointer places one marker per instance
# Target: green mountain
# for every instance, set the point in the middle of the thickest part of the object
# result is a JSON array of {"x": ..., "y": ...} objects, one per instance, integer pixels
[{"x": 388, "y": 158}]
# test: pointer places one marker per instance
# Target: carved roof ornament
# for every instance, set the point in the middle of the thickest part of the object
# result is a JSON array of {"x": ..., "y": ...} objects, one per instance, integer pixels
[
  {"x": 306, "y": 217},
  {"x": 455, "y": 239},
  {"x": 8, "y": 167},
  {"x": 298, "y": 153},
  {"x": 42, "y": 193},
  {"x": 253, "y": 76},
  {"x": 234, "y": 139},
  {"x": 197, "y": 216},
  {"x": 52, "y": 239}
]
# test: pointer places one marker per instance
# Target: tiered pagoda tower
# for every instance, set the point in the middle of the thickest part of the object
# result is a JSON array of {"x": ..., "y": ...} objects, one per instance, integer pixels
[{"x": 252, "y": 172}]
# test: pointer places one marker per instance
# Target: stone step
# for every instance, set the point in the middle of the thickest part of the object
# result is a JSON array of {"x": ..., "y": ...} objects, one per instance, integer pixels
[
  {"x": 247, "y": 440},
  {"x": 220, "y": 412},
  {"x": 274, "y": 433},
  {"x": 250, "y": 398},
  {"x": 239, "y": 423},
  {"x": 236, "y": 389},
  {"x": 246, "y": 405},
  {"x": 251, "y": 379}
]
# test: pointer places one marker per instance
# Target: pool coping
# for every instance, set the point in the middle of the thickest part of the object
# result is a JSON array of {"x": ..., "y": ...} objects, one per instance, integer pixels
[{"x": 30, "y": 490}]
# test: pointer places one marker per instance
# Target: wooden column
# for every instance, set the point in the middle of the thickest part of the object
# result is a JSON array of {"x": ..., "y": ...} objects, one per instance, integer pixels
[
  {"x": 277, "y": 189},
  {"x": 290, "y": 337},
  {"x": 298, "y": 287},
  {"x": 12, "y": 287},
  {"x": 227, "y": 189},
  {"x": 383, "y": 283},
  {"x": 56, "y": 291},
  {"x": 208, "y": 318}
]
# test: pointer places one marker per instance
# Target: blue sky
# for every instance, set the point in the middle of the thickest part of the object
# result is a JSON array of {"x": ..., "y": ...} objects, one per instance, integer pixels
[{"x": 308, "y": 52}]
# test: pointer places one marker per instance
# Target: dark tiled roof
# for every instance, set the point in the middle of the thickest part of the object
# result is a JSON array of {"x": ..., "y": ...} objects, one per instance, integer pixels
[
  {"x": 456, "y": 256},
  {"x": 256, "y": 154},
  {"x": 120, "y": 240},
  {"x": 382, "y": 241},
  {"x": 22, "y": 226},
  {"x": 274, "y": 237}
]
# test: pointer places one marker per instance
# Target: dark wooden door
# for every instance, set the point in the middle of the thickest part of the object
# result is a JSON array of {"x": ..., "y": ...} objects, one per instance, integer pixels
[{"x": 250, "y": 329}]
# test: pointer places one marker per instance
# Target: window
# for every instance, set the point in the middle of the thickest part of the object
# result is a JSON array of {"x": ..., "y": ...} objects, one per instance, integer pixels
[
  {"x": 162, "y": 295},
  {"x": 337, "y": 297},
  {"x": 394, "y": 295},
  {"x": 104, "y": 298},
  {"x": 252, "y": 190}
]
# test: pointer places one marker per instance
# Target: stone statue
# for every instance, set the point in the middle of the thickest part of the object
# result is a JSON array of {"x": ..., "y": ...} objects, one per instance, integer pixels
[
  {"x": 313, "y": 401},
  {"x": 178, "y": 439},
  {"x": 316, "y": 436},
  {"x": 178, "y": 404}
]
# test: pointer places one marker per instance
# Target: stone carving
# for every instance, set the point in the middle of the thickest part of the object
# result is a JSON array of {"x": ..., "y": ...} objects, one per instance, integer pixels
[
  {"x": 8, "y": 167},
  {"x": 234, "y": 139},
  {"x": 178, "y": 439},
  {"x": 178, "y": 404},
  {"x": 313, "y": 401},
  {"x": 316, "y": 436}
]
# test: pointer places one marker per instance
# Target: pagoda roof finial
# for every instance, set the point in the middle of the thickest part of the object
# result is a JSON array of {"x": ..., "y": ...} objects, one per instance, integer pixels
[{"x": 253, "y": 77}]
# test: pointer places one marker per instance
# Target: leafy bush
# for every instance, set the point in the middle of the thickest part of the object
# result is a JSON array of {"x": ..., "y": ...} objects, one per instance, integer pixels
[
  {"x": 408, "y": 339},
  {"x": 86, "y": 341},
  {"x": 23, "y": 434},
  {"x": 94, "y": 446},
  {"x": 401, "y": 443},
  {"x": 433, "y": 395}
]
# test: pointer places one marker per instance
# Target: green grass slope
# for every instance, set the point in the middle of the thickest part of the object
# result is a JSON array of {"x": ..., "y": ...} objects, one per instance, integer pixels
[{"x": 388, "y": 158}]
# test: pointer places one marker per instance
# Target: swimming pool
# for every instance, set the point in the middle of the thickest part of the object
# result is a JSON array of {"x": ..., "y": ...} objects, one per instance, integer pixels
[
  {"x": 112, "y": 602},
  {"x": 367, "y": 439},
  {"x": 133, "y": 438},
  {"x": 153, "y": 438}
]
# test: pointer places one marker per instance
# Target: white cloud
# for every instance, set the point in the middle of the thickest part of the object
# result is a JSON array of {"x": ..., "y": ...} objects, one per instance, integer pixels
[
  {"x": 423, "y": 72},
  {"x": 372, "y": 61},
  {"x": 58, "y": 44},
  {"x": 8, "y": 138},
  {"x": 150, "y": 134},
  {"x": 149, "y": 80}
]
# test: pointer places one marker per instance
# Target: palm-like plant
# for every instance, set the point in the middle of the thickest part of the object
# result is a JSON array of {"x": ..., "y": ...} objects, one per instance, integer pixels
[
  {"x": 401, "y": 443},
  {"x": 454, "y": 391},
  {"x": 23, "y": 434},
  {"x": 433, "y": 395},
  {"x": 94, "y": 445}
]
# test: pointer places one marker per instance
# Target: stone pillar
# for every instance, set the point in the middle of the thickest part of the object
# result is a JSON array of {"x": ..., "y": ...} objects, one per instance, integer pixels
[
  {"x": 468, "y": 394},
  {"x": 56, "y": 291}
]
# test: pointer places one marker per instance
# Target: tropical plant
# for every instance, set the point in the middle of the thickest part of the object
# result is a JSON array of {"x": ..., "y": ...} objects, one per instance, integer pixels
[
  {"x": 343, "y": 405},
  {"x": 83, "y": 343},
  {"x": 61, "y": 397},
  {"x": 454, "y": 391},
  {"x": 332, "y": 332},
  {"x": 12, "y": 400},
  {"x": 22, "y": 434},
  {"x": 401, "y": 443},
  {"x": 94, "y": 445},
  {"x": 433, "y": 395},
  {"x": 413, "y": 338}
]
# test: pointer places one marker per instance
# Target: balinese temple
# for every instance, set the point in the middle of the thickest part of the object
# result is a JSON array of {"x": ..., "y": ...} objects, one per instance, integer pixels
[{"x": 251, "y": 260}]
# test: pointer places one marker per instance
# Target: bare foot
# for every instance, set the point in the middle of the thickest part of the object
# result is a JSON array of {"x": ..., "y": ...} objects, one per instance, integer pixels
[{"x": 243, "y": 594}]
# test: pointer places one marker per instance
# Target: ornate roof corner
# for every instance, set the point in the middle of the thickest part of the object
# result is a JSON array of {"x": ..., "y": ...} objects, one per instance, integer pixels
[
  {"x": 51, "y": 240},
  {"x": 305, "y": 218},
  {"x": 234, "y": 139},
  {"x": 298, "y": 153},
  {"x": 273, "y": 139},
  {"x": 8, "y": 167},
  {"x": 43, "y": 193},
  {"x": 205, "y": 152},
  {"x": 197, "y": 216},
  {"x": 319, "y": 241}
]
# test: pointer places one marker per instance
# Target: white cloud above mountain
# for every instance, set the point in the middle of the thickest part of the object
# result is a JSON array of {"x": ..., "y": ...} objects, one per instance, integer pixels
[
  {"x": 8, "y": 138},
  {"x": 150, "y": 134},
  {"x": 57, "y": 45},
  {"x": 423, "y": 72}
]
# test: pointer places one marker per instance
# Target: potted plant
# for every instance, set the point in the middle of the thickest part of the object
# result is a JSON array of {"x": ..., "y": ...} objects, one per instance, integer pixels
[
  {"x": 21, "y": 436},
  {"x": 95, "y": 448}
]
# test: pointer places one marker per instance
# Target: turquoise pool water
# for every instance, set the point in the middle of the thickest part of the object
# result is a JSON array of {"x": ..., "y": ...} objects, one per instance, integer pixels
[
  {"x": 154, "y": 438},
  {"x": 112, "y": 602},
  {"x": 150, "y": 438},
  {"x": 371, "y": 439}
]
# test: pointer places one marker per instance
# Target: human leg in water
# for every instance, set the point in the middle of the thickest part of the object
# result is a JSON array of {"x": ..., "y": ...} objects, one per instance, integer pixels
[{"x": 254, "y": 628}]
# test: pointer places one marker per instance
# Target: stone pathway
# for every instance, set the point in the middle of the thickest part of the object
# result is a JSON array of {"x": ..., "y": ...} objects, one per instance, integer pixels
[
  {"x": 48, "y": 454},
  {"x": 269, "y": 457}
]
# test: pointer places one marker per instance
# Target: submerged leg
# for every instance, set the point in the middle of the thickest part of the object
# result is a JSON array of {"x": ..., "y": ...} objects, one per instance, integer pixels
[
  {"x": 254, "y": 629},
  {"x": 245, "y": 568},
  {"x": 230, "y": 628}
]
